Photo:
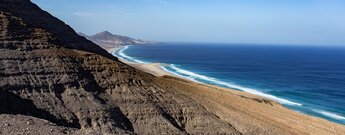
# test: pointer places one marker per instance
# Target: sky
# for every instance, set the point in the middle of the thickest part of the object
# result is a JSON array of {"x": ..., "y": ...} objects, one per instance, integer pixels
[{"x": 305, "y": 22}]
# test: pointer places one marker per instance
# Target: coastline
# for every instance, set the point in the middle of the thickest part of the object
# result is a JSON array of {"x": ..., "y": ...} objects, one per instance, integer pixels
[
  {"x": 157, "y": 70},
  {"x": 283, "y": 115},
  {"x": 152, "y": 68}
]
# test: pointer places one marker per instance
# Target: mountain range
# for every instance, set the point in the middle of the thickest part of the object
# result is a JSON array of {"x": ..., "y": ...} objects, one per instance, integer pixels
[
  {"x": 108, "y": 40},
  {"x": 53, "y": 81}
]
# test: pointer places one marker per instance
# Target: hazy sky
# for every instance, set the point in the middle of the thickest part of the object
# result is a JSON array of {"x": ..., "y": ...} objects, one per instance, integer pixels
[{"x": 319, "y": 22}]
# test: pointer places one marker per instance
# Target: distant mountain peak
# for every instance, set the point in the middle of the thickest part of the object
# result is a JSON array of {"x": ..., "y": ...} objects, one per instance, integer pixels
[
  {"x": 107, "y": 33},
  {"x": 107, "y": 40}
]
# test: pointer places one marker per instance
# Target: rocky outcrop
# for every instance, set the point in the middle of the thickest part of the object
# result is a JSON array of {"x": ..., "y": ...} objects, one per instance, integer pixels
[
  {"x": 49, "y": 72},
  {"x": 26, "y": 125},
  {"x": 108, "y": 40},
  {"x": 33, "y": 16}
]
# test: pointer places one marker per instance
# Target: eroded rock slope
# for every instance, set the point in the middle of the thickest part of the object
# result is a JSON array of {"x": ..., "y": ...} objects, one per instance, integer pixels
[{"x": 49, "y": 72}]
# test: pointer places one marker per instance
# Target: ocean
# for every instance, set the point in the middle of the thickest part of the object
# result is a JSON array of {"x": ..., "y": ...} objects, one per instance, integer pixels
[{"x": 307, "y": 79}]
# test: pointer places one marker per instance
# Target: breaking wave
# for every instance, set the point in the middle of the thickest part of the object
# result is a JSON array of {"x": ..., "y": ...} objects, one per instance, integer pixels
[
  {"x": 120, "y": 54},
  {"x": 329, "y": 114},
  {"x": 202, "y": 78}
]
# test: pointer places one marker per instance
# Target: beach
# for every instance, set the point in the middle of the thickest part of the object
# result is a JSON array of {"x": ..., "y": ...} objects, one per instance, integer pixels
[
  {"x": 241, "y": 108},
  {"x": 152, "y": 68}
]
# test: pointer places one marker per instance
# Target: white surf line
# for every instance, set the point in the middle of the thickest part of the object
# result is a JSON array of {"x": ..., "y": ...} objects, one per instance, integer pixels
[
  {"x": 189, "y": 78},
  {"x": 193, "y": 76},
  {"x": 120, "y": 53},
  {"x": 330, "y": 114}
]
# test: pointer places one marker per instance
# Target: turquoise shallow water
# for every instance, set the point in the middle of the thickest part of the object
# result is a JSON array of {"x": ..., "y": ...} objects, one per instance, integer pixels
[{"x": 310, "y": 80}]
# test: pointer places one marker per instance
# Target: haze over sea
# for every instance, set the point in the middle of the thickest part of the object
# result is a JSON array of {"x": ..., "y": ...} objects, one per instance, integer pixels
[{"x": 307, "y": 79}]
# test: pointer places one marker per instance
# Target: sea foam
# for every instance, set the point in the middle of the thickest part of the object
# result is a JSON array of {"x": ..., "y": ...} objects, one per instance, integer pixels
[
  {"x": 120, "y": 54},
  {"x": 195, "y": 77},
  {"x": 329, "y": 114},
  {"x": 165, "y": 69}
]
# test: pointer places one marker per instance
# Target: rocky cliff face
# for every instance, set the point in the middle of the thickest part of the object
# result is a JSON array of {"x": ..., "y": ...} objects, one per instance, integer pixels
[{"x": 49, "y": 72}]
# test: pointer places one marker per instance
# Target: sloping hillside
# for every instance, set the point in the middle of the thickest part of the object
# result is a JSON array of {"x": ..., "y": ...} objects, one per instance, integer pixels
[{"x": 49, "y": 72}]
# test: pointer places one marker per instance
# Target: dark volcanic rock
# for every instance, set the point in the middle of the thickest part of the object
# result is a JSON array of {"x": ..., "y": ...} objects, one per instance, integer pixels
[
  {"x": 49, "y": 72},
  {"x": 26, "y": 125},
  {"x": 62, "y": 34}
]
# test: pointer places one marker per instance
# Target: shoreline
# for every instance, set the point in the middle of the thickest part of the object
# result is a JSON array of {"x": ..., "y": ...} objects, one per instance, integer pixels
[
  {"x": 152, "y": 68},
  {"x": 156, "y": 70}
]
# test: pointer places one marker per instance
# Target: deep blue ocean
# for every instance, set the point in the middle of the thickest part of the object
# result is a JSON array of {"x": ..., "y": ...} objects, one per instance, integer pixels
[{"x": 307, "y": 79}]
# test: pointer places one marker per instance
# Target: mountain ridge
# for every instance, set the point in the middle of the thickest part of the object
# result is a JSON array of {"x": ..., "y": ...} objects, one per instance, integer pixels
[
  {"x": 108, "y": 40},
  {"x": 43, "y": 20}
]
